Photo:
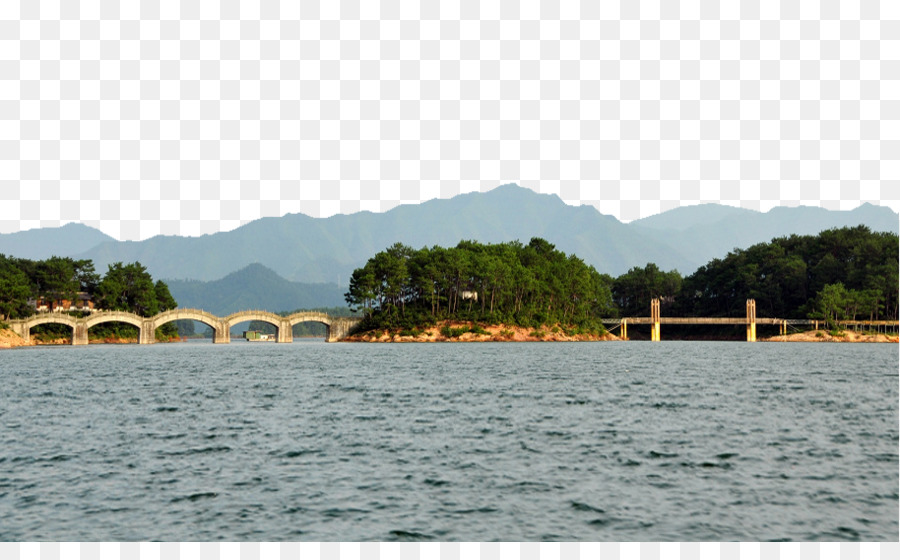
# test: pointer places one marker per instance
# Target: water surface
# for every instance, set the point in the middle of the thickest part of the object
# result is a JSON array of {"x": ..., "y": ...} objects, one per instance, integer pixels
[{"x": 484, "y": 441}]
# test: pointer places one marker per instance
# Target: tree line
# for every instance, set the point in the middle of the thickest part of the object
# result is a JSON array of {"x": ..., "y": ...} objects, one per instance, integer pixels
[
  {"x": 846, "y": 273},
  {"x": 124, "y": 287},
  {"x": 839, "y": 274},
  {"x": 510, "y": 283}
]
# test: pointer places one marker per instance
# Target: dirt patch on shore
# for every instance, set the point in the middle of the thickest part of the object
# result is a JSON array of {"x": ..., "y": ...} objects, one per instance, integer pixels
[
  {"x": 492, "y": 333},
  {"x": 9, "y": 339},
  {"x": 826, "y": 336}
]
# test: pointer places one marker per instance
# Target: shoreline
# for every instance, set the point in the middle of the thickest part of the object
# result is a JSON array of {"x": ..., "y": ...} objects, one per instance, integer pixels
[
  {"x": 506, "y": 333},
  {"x": 492, "y": 333},
  {"x": 843, "y": 337},
  {"x": 460, "y": 331}
]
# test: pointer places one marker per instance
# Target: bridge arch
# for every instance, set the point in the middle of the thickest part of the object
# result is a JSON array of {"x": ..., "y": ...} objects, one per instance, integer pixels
[
  {"x": 310, "y": 317},
  {"x": 81, "y": 332},
  {"x": 264, "y": 316},
  {"x": 58, "y": 318},
  {"x": 313, "y": 317},
  {"x": 220, "y": 329},
  {"x": 282, "y": 327},
  {"x": 188, "y": 314},
  {"x": 49, "y": 318},
  {"x": 118, "y": 317}
]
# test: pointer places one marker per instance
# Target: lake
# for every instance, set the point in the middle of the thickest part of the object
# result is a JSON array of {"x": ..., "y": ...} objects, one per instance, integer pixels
[{"x": 621, "y": 441}]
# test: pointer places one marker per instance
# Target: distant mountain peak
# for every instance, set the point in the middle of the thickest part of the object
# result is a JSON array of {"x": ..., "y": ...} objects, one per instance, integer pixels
[{"x": 42, "y": 243}]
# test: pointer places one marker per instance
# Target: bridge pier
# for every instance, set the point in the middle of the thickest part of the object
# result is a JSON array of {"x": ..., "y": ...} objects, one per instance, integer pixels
[
  {"x": 339, "y": 329},
  {"x": 80, "y": 334},
  {"x": 285, "y": 332},
  {"x": 21, "y": 329},
  {"x": 624, "y": 332},
  {"x": 223, "y": 333},
  {"x": 751, "y": 320},
  {"x": 147, "y": 333},
  {"x": 654, "y": 320}
]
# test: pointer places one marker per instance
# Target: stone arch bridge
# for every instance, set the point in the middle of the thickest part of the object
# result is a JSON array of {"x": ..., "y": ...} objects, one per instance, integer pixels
[{"x": 336, "y": 328}]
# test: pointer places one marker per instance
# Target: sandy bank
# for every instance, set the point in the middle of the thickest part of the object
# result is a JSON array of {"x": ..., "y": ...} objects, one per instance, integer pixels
[
  {"x": 9, "y": 339},
  {"x": 493, "y": 333},
  {"x": 825, "y": 336}
]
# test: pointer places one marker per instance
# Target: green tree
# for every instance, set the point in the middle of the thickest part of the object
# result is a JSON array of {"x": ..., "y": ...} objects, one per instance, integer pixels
[
  {"x": 831, "y": 303},
  {"x": 15, "y": 290},
  {"x": 57, "y": 279},
  {"x": 128, "y": 288}
]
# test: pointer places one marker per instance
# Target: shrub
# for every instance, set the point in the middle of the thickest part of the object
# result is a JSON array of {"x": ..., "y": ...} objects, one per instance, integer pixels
[
  {"x": 506, "y": 333},
  {"x": 537, "y": 333}
]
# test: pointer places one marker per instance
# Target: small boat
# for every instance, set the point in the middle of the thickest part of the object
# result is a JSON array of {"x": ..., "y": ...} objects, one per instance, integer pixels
[{"x": 256, "y": 336}]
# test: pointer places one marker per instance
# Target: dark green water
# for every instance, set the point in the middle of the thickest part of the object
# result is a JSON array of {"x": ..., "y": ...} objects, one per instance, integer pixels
[{"x": 543, "y": 441}]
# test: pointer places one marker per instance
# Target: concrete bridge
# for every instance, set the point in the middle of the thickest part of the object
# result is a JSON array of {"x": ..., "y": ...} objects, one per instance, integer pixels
[
  {"x": 336, "y": 328},
  {"x": 750, "y": 321}
]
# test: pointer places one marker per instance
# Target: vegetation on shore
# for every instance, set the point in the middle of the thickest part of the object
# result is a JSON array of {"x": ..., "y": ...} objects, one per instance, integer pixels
[
  {"x": 124, "y": 287},
  {"x": 530, "y": 285},
  {"x": 840, "y": 274}
]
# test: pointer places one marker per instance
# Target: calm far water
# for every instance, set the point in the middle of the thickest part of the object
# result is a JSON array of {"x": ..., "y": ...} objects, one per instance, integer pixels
[{"x": 489, "y": 441}]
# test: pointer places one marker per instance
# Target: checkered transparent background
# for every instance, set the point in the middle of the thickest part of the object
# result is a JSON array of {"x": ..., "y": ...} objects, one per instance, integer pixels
[{"x": 191, "y": 117}]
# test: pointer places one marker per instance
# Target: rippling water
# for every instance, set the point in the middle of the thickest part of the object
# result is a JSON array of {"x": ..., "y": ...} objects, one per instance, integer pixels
[{"x": 540, "y": 441}]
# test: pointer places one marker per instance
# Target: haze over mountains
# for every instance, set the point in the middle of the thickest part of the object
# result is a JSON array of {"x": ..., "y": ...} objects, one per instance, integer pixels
[
  {"x": 303, "y": 249},
  {"x": 254, "y": 287}
]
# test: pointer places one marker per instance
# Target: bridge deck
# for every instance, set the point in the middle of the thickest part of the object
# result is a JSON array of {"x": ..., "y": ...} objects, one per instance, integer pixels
[
  {"x": 695, "y": 321},
  {"x": 736, "y": 321}
]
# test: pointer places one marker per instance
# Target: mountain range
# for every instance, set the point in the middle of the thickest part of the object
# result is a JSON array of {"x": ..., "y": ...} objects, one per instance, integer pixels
[
  {"x": 254, "y": 287},
  {"x": 300, "y": 248}
]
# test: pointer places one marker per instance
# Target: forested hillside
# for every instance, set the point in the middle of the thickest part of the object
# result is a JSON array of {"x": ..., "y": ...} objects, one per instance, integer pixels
[
  {"x": 846, "y": 273},
  {"x": 512, "y": 283},
  {"x": 73, "y": 286},
  {"x": 124, "y": 287}
]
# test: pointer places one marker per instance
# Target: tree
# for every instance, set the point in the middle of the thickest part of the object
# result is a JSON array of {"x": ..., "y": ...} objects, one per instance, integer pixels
[
  {"x": 831, "y": 303},
  {"x": 15, "y": 290},
  {"x": 128, "y": 288},
  {"x": 507, "y": 282},
  {"x": 164, "y": 302},
  {"x": 57, "y": 279}
]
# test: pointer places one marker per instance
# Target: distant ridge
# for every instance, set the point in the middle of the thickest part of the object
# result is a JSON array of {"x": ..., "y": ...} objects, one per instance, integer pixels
[
  {"x": 709, "y": 231},
  {"x": 254, "y": 287},
  {"x": 300, "y": 248},
  {"x": 43, "y": 243}
]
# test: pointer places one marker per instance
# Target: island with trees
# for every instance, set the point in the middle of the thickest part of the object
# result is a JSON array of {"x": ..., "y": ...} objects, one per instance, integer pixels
[{"x": 478, "y": 291}]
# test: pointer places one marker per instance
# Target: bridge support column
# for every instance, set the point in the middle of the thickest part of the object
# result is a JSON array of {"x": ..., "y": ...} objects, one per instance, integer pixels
[
  {"x": 80, "y": 334},
  {"x": 339, "y": 329},
  {"x": 654, "y": 320},
  {"x": 222, "y": 335},
  {"x": 147, "y": 334},
  {"x": 624, "y": 332},
  {"x": 285, "y": 332},
  {"x": 21, "y": 329},
  {"x": 751, "y": 320}
]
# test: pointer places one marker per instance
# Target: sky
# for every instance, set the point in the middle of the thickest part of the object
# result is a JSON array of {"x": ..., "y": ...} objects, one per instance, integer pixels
[{"x": 152, "y": 119}]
